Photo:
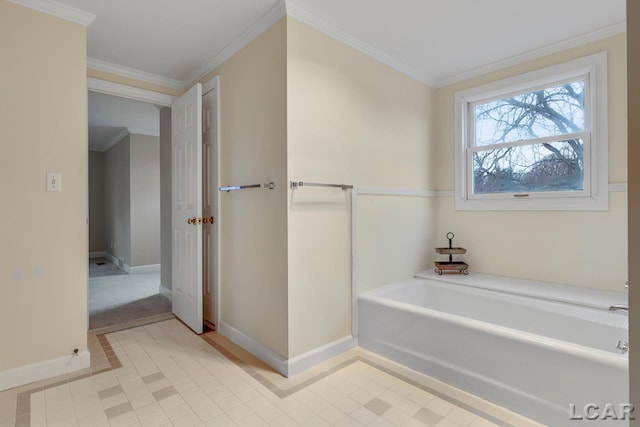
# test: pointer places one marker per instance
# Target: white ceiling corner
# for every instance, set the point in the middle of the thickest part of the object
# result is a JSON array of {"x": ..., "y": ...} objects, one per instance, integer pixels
[
  {"x": 59, "y": 10},
  {"x": 301, "y": 14},
  {"x": 260, "y": 26},
  {"x": 534, "y": 54}
]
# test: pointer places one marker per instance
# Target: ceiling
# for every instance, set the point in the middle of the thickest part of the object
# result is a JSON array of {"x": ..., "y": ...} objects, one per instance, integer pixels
[
  {"x": 435, "y": 41},
  {"x": 438, "y": 42},
  {"x": 111, "y": 118}
]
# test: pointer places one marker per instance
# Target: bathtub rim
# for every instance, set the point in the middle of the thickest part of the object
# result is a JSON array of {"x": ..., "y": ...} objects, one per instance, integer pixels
[
  {"x": 615, "y": 360},
  {"x": 548, "y": 291}
]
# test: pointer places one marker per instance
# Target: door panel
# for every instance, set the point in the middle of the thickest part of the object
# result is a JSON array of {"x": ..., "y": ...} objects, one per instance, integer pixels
[{"x": 186, "y": 194}]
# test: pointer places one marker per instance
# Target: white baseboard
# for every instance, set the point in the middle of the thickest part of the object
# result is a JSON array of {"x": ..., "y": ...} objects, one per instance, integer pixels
[
  {"x": 287, "y": 367},
  {"x": 116, "y": 262},
  {"x": 259, "y": 350},
  {"x": 111, "y": 258},
  {"x": 145, "y": 269},
  {"x": 311, "y": 358},
  {"x": 99, "y": 254},
  {"x": 43, "y": 370},
  {"x": 165, "y": 293}
]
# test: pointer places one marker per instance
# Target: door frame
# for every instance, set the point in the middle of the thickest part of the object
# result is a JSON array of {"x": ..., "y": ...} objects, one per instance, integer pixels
[
  {"x": 165, "y": 100},
  {"x": 123, "y": 91},
  {"x": 214, "y": 84}
]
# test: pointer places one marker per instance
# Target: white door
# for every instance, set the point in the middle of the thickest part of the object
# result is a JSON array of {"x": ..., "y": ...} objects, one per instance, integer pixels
[
  {"x": 210, "y": 197},
  {"x": 186, "y": 202}
]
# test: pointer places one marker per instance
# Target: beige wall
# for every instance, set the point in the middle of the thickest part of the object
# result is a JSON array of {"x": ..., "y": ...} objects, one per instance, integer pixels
[
  {"x": 145, "y": 200},
  {"x": 97, "y": 242},
  {"x": 633, "y": 58},
  {"x": 43, "y": 117},
  {"x": 253, "y": 223},
  {"x": 579, "y": 248},
  {"x": 118, "y": 199},
  {"x": 352, "y": 120},
  {"x": 132, "y": 199}
]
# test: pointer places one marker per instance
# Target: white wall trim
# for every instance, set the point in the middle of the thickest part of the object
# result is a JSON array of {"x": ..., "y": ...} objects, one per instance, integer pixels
[
  {"x": 311, "y": 358},
  {"x": 389, "y": 191},
  {"x": 165, "y": 292},
  {"x": 303, "y": 15},
  {"x": 43, "y": 370},
  {"x": 354, "y": 263},
  {"x": 260, "y": 26},
  {"x": 98, "y": 254},
  {"x": 132, "y": 73},
  {"x": 145, "y": 269},
  {"x": 446, "y": 193},
  {"x": 59, "y": 10},
  {"x": 129, "y": 92},
  {"x": 259, "y": 350},
  {"x": 534, "y": 54}
]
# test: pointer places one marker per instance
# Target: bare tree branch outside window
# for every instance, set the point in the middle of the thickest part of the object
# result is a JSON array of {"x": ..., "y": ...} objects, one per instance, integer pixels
[{"x": 528, "y": 142}]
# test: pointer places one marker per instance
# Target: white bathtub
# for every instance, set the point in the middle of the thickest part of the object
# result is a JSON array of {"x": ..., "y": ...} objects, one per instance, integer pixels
[{"x": 534, "y": 348}]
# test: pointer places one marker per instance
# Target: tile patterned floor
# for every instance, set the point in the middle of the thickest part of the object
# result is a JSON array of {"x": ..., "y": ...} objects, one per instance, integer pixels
[{"x": 161, "y": 374}]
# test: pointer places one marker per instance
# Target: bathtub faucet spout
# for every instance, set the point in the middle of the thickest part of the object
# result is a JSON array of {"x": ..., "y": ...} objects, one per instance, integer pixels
[{"x": 617, "y": 307}]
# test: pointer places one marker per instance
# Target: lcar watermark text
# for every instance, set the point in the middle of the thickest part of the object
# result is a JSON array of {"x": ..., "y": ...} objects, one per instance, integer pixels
[{"x": 608, "y": 411}]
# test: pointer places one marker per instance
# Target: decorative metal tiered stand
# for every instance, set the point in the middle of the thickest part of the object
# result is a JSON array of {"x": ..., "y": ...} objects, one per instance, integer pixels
[{"x": 451, "y": 266}]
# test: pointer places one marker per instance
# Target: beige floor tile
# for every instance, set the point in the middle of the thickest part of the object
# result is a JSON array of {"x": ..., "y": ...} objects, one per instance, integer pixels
[
  {"x": 208, "y": 412},
  {"x": 462, "y": 417},
  {"x": 189, "y": 420},
  {"x": 364, "y": 416},
  {"x": 196, "y": 385},
  {"x": 446, "y": 422},
  {"x": 349, "y": 422},
  {"x": 439, "y": 406},
  {"x": 479, "y": 422},
  {"x": 270, "y": 413}
]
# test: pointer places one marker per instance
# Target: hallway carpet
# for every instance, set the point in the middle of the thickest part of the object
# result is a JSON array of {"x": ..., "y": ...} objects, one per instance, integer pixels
[{"x": 116, "y": 297}]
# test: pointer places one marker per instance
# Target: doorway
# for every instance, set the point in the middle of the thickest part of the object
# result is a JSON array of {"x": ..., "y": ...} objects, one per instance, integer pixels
[{"x": 124, "y": 211}]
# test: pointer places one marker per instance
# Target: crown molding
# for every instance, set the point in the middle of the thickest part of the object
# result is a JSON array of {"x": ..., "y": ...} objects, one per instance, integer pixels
[
  {"x": 59, "y": 10},
  {"x": 117, "y": 138},
  {"x": 534, "y": 54},
  {"x": 132, "y": 73},
  {"x": 260, "y": 26},
  {"x": 303, "y": 15},
  {"x": 130, "y": 92},
  {"x": 105, "y": 146}
]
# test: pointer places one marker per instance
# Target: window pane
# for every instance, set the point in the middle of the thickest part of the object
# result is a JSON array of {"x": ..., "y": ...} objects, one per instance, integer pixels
[
  {"x": 556, "y": 110},
  {"x": 553, "y": 166}
]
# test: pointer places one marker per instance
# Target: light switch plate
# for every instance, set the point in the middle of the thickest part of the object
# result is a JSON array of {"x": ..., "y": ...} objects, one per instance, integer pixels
[{"x": 54, "y": 181}]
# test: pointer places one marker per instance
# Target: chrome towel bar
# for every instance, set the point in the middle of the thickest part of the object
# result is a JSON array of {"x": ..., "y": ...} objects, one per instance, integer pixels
[
  {"x": 268, "y": 186},
  {"x": 297, "y": 184}
]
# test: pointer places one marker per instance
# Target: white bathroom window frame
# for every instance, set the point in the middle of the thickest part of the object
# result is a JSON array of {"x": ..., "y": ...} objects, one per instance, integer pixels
[{"x": 595, "y": 195}]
